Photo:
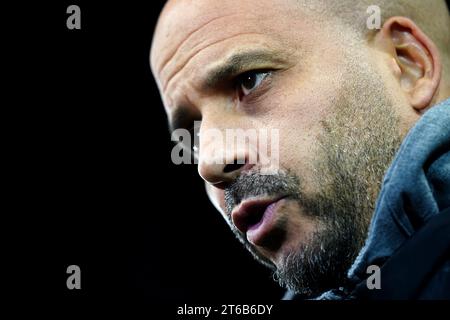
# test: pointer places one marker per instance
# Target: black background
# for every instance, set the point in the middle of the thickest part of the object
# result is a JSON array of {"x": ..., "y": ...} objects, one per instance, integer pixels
[
  {"x": 98, "y": 188},
  {"x": 104, "y": 193}
]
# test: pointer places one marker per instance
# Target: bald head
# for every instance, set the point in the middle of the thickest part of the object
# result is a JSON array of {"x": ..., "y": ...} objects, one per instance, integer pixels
[{"x": 186, "y": 25}]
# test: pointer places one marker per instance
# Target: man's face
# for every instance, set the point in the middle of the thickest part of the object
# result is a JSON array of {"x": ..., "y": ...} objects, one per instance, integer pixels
[{"x": 255, "y": 65}]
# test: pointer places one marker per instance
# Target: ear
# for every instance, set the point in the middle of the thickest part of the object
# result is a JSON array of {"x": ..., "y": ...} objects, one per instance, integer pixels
[{"x": 415, "y": 60}]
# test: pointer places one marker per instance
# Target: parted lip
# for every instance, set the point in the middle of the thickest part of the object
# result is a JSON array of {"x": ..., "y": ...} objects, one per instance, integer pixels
[{"x": 250, "y": 212}]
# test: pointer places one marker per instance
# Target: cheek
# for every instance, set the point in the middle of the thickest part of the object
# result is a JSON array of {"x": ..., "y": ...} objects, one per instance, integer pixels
[{"x": 298, "y": 115}]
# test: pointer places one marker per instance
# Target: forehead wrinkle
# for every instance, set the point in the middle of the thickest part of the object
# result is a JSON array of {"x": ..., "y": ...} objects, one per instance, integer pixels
[
  {"x": 188, "y": 36},
  {"x": 179, "y": 69}
]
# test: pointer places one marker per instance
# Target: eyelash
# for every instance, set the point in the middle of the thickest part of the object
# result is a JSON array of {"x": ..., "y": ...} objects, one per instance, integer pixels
[{"x": 239, "y": 79}]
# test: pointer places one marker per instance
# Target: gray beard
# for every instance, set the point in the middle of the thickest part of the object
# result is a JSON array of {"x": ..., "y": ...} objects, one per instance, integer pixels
[{"x": 355, "y": 150}]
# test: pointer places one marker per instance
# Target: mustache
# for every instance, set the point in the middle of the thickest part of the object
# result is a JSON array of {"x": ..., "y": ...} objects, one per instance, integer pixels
[{"x": 254, "y": 184}]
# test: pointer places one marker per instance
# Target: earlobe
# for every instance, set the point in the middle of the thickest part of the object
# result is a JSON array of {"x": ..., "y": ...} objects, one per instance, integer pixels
[{"x": 416, "y": 63}]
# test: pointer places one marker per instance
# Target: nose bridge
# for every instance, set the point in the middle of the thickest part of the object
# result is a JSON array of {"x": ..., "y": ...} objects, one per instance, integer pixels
[{"x": 221, "y": 156}]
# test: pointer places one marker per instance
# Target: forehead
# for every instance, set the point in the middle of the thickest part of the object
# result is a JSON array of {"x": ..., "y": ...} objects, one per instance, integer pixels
[
  {"x": 194, "y": 37},
  {"x": 186, "y": 27},
  {"x": 181, "y": 18}
]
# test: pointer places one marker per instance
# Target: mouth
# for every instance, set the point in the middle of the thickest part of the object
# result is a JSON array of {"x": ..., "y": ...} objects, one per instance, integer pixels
[{"x": 256, "y": 218}]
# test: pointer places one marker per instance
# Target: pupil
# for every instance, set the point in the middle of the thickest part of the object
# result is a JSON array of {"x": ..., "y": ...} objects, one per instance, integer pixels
[{"x": 249, "y": 81}]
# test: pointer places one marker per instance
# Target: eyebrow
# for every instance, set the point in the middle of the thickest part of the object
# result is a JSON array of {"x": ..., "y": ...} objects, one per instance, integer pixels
[{"x": 237, "y": 63}]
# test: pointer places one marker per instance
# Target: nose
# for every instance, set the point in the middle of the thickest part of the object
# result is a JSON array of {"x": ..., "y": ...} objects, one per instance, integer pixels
[{"x": 219, "y": 170}]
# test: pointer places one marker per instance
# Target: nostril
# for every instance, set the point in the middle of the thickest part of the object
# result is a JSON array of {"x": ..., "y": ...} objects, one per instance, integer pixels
[{"x": 232, "y": 167}]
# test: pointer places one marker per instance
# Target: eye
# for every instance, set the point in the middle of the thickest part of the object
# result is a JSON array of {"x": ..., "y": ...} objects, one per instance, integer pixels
[{"x": 249, "y": 81}]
